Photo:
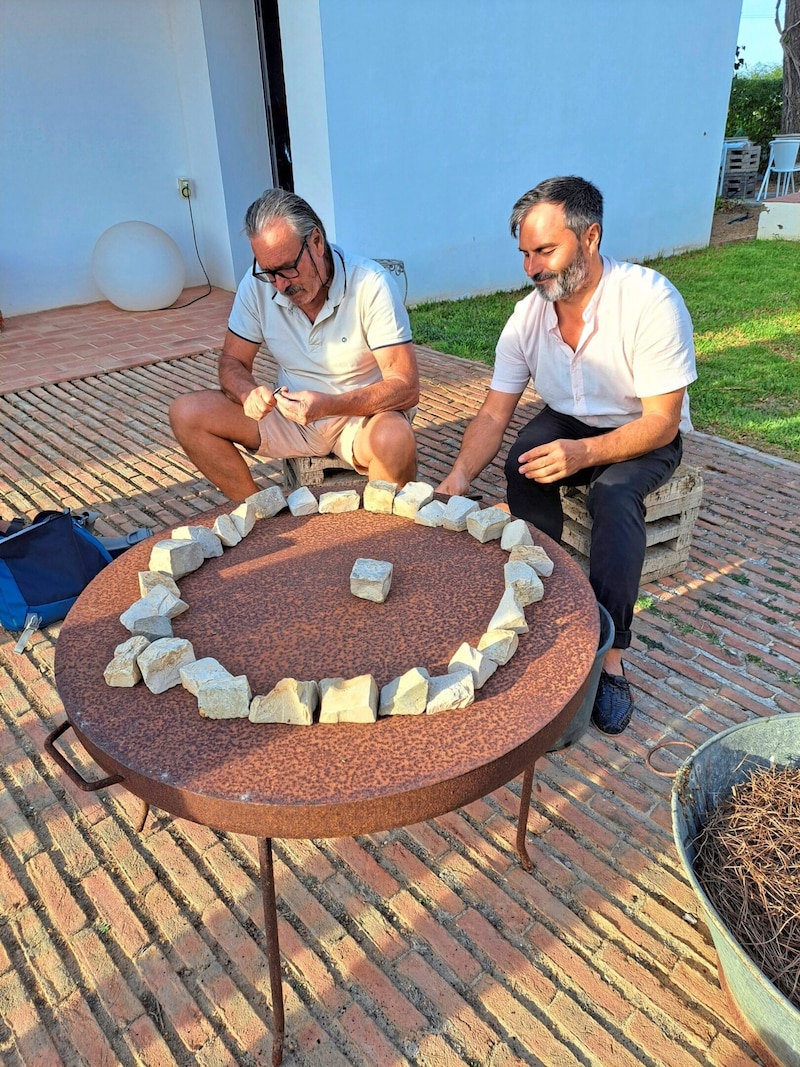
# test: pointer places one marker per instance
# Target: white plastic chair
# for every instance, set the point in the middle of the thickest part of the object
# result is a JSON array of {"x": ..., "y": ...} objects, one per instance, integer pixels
[{"x": 783, "y": 164}]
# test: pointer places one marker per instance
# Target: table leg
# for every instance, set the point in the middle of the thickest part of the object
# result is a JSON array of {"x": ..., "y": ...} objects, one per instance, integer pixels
[
  {"x": 273, "y": 948},
  {"x": 522, "y": 820}
]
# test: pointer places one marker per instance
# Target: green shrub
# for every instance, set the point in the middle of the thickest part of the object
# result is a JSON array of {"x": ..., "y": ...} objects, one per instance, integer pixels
[{"x": 754, "y": 110}]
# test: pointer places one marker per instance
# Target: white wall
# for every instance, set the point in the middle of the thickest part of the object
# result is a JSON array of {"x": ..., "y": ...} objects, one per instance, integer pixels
[
  {"x": 106, "y": 104},
  {"x": 440, "y": 114}
]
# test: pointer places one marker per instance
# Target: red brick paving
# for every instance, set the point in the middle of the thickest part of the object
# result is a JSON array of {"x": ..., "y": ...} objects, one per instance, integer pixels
[{"x": 428, "y": 946}]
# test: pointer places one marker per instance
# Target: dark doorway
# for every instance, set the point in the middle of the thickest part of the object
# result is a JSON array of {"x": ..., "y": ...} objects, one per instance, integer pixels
[{"x": 269, "y": 42}]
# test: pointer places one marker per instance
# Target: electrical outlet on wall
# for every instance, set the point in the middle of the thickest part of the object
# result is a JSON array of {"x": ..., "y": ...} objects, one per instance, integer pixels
[{"x": 184, "y": 188}]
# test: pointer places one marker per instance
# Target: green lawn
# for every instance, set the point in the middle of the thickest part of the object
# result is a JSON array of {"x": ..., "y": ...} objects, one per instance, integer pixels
[{"x": 744, "y": 299}]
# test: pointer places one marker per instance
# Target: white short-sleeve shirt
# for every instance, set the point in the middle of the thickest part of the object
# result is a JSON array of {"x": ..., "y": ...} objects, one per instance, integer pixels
[
  {"x": 637, "y": 341},
  {"x": 363, "y": 312}
]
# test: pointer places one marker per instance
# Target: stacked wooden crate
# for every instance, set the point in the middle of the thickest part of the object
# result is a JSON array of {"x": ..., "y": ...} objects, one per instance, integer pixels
[
  {"x": 741, "y": 172},
  {"x": 671, "y": 514}
]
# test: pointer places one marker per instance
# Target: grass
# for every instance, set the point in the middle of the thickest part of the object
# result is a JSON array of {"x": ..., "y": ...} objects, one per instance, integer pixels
[{"x": 744, "y": 299}]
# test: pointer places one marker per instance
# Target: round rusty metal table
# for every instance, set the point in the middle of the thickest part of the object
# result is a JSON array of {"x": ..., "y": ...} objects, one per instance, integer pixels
[{"x": 279, "y": 605}]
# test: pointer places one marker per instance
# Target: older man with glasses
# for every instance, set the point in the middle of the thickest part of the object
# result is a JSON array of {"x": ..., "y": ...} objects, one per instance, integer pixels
[{"x": 347, "y": 375}]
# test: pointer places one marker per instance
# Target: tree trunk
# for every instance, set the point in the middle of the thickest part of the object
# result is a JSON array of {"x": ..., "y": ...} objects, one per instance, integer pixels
[{"x": 790, "y": 42}]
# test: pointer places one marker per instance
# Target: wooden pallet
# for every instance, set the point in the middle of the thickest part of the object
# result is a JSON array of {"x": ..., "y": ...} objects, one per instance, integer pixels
[
  {"x": 671, "y": 514},
  {"x": 316, "y": 470}
]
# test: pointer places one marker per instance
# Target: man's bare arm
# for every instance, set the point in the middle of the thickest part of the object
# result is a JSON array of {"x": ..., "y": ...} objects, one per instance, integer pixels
[
  {"x": 235, "y": 372},
  {"x": 482, "y": 440},
  {"x": 656, "y": 426}
]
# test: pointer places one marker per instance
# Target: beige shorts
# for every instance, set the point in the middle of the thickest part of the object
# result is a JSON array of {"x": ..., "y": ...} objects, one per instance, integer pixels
[{"x": 281, "y": 438}]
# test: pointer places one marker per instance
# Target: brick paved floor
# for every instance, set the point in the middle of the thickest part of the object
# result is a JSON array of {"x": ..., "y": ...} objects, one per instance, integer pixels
[{"x": 427, "y": 946}]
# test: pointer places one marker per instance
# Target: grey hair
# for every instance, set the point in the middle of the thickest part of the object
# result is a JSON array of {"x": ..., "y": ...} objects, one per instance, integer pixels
[
  {"x": 278, "y": 204},
  {"x": 582, "y": 203}
]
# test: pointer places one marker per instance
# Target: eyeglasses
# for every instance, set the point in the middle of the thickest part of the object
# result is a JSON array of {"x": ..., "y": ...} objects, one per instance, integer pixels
[{"x": 287, "y": 273}]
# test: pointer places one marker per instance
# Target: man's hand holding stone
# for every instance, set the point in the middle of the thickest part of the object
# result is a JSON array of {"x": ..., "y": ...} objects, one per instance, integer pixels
[{"x": 258, "y": 402}]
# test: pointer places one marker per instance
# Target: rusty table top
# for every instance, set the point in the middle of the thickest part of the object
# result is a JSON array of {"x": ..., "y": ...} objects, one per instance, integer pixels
[{"x": 279, "y": 605}]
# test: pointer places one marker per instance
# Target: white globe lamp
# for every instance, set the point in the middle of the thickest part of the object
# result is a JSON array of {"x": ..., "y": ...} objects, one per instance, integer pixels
[{"x": 138, "y": 267}]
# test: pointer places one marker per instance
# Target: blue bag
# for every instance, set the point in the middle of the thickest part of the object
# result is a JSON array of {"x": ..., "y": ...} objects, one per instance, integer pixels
[{"x": 45, "y": 567}]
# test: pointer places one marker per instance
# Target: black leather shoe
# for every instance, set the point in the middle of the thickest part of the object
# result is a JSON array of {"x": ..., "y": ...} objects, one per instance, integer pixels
[{"x": 613, "y": 705}]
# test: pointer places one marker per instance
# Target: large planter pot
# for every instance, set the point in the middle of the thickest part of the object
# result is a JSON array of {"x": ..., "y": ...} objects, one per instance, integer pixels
[{"x": 768, "y": 1021}]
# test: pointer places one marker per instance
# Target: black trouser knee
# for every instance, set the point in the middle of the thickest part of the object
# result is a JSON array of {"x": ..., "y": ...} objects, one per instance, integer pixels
[{"x": 616, "y": 504}]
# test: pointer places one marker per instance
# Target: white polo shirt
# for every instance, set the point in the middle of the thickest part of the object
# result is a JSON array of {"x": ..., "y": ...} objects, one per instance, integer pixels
[
  {"x": 362, "y": 313},
  {"x": 637, "y": 341}
]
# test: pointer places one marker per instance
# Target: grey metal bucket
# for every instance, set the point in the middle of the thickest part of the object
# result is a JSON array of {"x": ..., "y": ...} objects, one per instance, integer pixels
[
  {"x": 579, "y": 724},
  {"x": 769, "y": 1021}
]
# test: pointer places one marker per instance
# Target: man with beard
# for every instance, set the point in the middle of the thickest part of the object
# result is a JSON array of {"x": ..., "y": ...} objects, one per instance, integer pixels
[
  {"x": 347, "y": 372},
  {"x": 608, "y": 347}
]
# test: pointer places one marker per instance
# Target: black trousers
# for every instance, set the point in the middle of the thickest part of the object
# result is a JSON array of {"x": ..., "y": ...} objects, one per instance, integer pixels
[{"x": 615, "y": 501}]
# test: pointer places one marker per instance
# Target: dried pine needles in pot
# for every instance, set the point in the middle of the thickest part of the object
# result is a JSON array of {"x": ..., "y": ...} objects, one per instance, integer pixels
[{"x": 748, "y": 863}]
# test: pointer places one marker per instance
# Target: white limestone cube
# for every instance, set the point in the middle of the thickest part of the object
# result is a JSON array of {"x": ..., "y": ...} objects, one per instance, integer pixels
[
  {"x": 517, "y": 532},
  {"x": 176, "y": 558},
  {"x": 290, "y": 702},
  {"x": 194, "y": 675},
  {"x": 448, "y": 692},
  {"x": 412, "y": 497},
  {"x": 379, "y": 497},
  {"x": 159, "y": 601},
  {"x": 510, "y": 614},
  {"x": 348, "y": 699},
  {"x": 221, "y": 697},
  {"x": 302, "y": 502},
  {"x": 406, "y": 695},
  {"x": 225, "y": 529},
  {"x": 430, "y": 515},
  {"x": 267, "y": 502},
  {"x": 123, "y": 671},
  {"x": 161, "y": 661},
  {"x": 338, "y": 503},
  {"x": 525, "y": 582},
  {"x": 153, "y": 627},
  {"x": 244, "y": 517},
  {"x": 457, "y": 511},
  {"x": 149, "y": 579},
  {"x": 499, "y": 645},
  {"x": 371, "y": 579},
  {"x": 205, "y": 537},
  {"x": 481, "y": 667},
  {"x": 487, "y": 524},
  {"x": 535, "y": 556}
]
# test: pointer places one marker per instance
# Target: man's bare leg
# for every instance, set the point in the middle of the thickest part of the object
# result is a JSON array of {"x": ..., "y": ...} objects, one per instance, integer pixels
[
  {"x": 206, "y": 425},
  {"x": 387, "y": 447}
]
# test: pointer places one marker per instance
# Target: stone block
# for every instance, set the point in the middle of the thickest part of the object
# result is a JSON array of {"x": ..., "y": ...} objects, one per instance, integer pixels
[
  {"x": 302, "y": 502},
  {"x": 205, "y": 537},
  {"x": 123, "y": 672},
  {"x": 223, "y": 697},
  {"x": 348, "y": 699},
  {"x": 267, "y": 502},
  {"x": 161, "y": 662},
  {"x": 448, "y": 692},
  {"x": 406, "y": 695},
  {"x": 159, "y": 601},
  {"x": 194, "y": 675},
  {"x": 534, "y": 556},
  {"x": 525, "y": 582},
  {"x": 456, "y": 512},
  {"x": 290, "y": 702},
  {"x": 412, "y": 497},
  {"x": 487, "y": 524},
  {"x": 431, "y": 515},
  {"x": 244, "y": 517},
  {"x": 481, "y": 666},
  {"x": 153, "y": 627},
  {"x": 517, "y": 532},
  {"x": 176, "y": 558},
  {"x": 510, "y": 614},
  {"x": 149, "y": 579},
  {"x": 336, "y": 503},
  {"x": 379, "y": 497},
  {"x": 499, "y": 645},
  {"x": 371, "y": 579},
  {"x": 225, "y": 529}
]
